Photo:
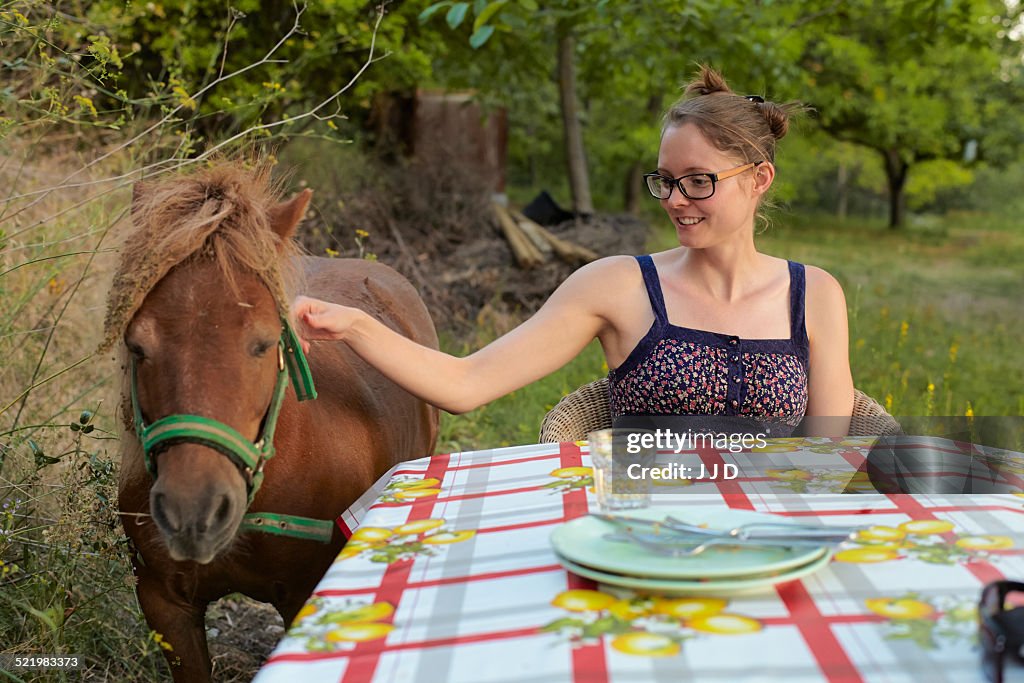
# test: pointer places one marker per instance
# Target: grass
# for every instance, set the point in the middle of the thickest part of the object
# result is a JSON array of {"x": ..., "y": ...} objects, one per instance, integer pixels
[
  {"x": 934, "y": 311},
  {"x": 65, "y": 586}
]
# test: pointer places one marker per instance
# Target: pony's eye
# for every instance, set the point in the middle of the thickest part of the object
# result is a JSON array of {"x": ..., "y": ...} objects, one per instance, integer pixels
[{"x": 260, "y": 348}]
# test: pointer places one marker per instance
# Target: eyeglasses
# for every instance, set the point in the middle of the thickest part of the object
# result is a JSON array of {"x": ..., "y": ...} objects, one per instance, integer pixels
[
  {"x": 1000, "y": 630},
  {"x": 693, "y": 186}
]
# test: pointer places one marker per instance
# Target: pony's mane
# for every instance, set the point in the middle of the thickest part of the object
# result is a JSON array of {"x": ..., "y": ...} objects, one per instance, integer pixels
[{"x": 218, "y": 213}]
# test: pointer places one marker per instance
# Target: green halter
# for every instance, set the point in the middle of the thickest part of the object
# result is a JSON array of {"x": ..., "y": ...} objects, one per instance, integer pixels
[{"x": 248, "y": 456}]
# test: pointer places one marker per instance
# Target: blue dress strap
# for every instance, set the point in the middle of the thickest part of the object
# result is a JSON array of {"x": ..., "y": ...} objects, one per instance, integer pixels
[
  {"x": 797, "y": 306},
  {"x": 653, "y": 285}
]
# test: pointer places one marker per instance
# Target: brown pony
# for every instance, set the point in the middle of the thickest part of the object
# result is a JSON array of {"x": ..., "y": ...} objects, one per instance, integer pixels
[{"x": 196, "y": 307}]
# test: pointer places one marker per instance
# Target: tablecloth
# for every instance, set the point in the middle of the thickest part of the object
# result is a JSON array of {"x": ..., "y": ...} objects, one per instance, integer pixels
[{"x": 449, "y": 577}]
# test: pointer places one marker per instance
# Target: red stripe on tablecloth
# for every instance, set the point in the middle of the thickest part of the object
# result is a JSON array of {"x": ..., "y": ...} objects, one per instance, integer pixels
[
  {"x": 376, "y": 648},
  {"x": 1010, "y": 478},
  {"x": 588, "y": 661},
  {"x": 979, "y": 508},
  {"x": 574, "y": 502},
  {"x": 470, "y": 496},
  {"x": 835, "y": 513},
  {"x": 731, "y": 490},
  {"x": 816, "y": 632},
  {"x": 346, "y": 532},
  {"x": 366, "y": 656},
  {"x": 373, "y": 650},
  {"x": 830, "y": 620},
  {"x": 908, "y": 505},
  {"x": 416, "y": 585},
  {"x": 838, "y": 512},
  {"x": 857, "y": 460},
  {"x": 490, "y": 463},
  {"x": 815, "y": 627}
]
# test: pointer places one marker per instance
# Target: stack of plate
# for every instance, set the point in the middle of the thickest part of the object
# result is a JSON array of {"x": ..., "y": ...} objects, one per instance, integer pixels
[{"x": 582, "y": 548}]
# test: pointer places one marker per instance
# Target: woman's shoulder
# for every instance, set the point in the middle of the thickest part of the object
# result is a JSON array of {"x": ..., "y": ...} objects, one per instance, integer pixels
[
  {"x": 821, "y": 282},
  {"x": 825, "y": 300},
  {"x": 612, "y": 270},
  {"x": 603, "y": 282}
]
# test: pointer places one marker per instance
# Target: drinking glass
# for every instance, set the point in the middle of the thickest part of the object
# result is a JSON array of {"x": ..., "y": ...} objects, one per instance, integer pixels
[{"x": 618, "y": 485}]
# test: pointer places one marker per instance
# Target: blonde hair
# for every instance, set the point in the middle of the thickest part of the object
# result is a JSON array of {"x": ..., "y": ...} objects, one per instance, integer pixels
[{"x": 743, "y": 126}]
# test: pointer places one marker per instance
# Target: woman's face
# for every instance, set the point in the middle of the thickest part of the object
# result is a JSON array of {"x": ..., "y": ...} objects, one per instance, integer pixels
[{"x": 725, "y": 216}]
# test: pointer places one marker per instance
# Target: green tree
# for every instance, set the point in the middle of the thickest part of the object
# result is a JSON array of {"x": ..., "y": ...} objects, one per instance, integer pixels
[
  {"x": 909, "y": 80},
  {"x": 291, "y": 57},
  {"x": 528, "y": 21},
  {"x": 611, "y": 67}
]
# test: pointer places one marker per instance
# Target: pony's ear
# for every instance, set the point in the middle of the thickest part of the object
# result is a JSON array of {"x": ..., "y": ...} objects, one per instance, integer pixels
[
  {"x": 286, "y": 215},
  {"x": 139, "y": 191}
]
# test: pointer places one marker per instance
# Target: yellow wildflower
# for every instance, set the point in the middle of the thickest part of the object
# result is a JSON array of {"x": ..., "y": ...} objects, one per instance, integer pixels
[
  {"x": 184, "y": 99},
  {"x": 86, "y": 104},
  {"x": 158, "y": 638}
]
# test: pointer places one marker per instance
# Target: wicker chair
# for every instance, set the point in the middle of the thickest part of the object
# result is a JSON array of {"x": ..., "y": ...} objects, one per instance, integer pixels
[{"x": 586, "y": 410}]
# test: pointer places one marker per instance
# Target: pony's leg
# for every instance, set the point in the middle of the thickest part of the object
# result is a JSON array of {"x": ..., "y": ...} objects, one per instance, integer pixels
[
  {"x": 289, "y": 608},
  {"x": 181, "y": 627}
]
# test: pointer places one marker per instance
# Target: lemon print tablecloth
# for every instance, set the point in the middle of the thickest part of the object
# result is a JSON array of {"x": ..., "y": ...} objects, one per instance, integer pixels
[{"x": 449, "y": 576}]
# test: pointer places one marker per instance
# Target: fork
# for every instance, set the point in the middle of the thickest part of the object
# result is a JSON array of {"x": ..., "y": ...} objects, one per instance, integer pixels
[
  {"x": 671, "y": 527},
  {"x": 671, "y": 549},
  {"x": 787, "y": 529}
]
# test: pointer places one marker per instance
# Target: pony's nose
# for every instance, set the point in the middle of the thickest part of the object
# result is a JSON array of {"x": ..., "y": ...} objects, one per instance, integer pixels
[
  {"x": 205, "y": 514},
  {"x": 218, "y": 518},
  {"x": 167, "y": 513}
]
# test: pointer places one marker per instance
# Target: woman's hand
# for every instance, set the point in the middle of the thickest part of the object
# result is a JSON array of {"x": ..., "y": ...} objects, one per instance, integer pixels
[{"x": 316, "y": 319}]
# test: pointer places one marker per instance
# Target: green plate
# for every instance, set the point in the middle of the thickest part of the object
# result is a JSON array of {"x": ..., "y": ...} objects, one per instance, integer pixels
[
  {"x": 756, "y": 583},
  {"x": 582, "y": 542}
]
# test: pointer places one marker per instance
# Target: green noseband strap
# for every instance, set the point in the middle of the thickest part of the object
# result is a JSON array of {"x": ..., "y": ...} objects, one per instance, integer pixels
[{"x": 248, "y": 456}]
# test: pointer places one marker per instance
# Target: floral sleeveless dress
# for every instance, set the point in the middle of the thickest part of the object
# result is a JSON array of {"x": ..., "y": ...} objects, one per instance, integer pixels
[{"x": 682, "y": 371}]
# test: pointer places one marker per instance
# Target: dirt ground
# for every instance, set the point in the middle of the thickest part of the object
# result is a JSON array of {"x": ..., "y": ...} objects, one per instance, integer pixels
[
  {"x": 461, "y": 282},
  {"x": 241, "y": 633}
]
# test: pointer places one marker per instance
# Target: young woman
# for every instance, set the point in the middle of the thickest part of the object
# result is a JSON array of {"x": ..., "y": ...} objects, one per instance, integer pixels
[{"x": 711, "y": 327}]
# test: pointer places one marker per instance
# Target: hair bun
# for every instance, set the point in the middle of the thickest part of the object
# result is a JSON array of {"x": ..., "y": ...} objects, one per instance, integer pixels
[
  {"x": 777, "y": 118},
  {"x": 708, "y": 82}
]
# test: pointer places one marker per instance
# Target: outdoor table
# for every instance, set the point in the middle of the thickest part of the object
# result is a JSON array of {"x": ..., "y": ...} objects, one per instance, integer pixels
[{"x": 449, "y": 576}]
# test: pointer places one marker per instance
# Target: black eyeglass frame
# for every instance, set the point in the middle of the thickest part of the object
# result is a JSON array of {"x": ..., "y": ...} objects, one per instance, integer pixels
[
  {"x": 992, "y": 635},
  {"x": 677, "y": 183}
]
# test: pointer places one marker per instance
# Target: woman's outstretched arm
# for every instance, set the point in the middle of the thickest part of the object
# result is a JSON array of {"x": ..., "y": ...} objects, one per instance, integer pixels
[{"x": 571, "y": 317}]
